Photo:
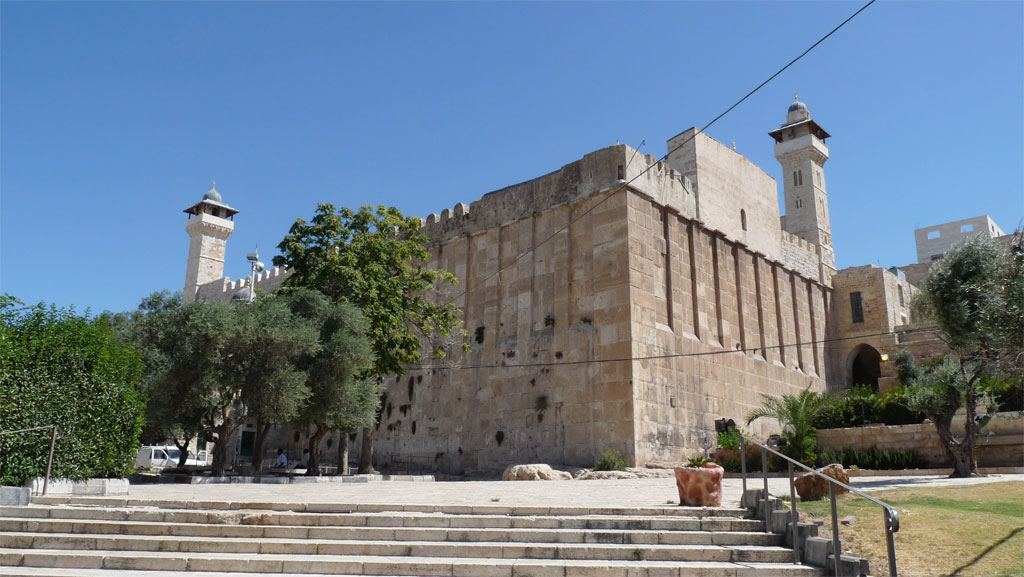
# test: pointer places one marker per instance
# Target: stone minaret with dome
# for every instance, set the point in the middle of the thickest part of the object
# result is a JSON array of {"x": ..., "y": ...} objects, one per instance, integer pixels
[
  {"x": 210, "y": 223},
  {"x": 800, "y": 149}
]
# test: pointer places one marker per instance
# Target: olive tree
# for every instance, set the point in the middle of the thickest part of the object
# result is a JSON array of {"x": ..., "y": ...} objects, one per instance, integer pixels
[
  {"x": 975, "y": 296},
  {"x": 374, "y": 258}
]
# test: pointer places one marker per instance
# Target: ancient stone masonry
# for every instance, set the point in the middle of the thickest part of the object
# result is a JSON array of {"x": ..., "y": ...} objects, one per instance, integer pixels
[
  {"x": 610, "y": 316},
  {"x": 622, "y": 303}
]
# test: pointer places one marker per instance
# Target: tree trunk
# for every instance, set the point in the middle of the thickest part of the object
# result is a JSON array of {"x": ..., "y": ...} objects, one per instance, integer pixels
[
  {"x": 184, "y": 450},
  {"x": 959, "y": 453},
  {"x": 366, "y": 452},
  {"x": 221, "y": 435},
  {"x": 343, "y": 453},
  {"x": 258, "y": 445},
  {"x": 313, "y": 468}
]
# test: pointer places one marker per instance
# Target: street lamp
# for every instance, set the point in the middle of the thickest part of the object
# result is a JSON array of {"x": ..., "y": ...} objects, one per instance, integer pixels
[{"x": 255, "y": 267}]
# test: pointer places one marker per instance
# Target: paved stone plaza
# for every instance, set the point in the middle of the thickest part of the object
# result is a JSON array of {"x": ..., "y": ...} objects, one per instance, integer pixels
[{"x": 596, "y": 493}]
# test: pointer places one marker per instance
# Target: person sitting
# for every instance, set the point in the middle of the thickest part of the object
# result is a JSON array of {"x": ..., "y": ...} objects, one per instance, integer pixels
[
  {"x": 305, "y": 458},
  {"x": 282, "y": 459}
]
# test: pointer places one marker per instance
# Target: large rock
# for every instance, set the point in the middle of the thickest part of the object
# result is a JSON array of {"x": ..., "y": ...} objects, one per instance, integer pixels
[
  {"x": 811, "y": 487},
  {"x": 538, "y": 472},
  {"x": 700, "y": 486}
]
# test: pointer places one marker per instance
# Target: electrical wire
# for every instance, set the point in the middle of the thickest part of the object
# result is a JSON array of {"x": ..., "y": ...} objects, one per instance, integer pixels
[
  {"x": 659, "y": 357},
  {"x": 624, "y": 185}
]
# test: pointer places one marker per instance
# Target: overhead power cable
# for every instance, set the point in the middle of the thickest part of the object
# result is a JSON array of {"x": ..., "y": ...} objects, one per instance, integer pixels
[
  {"x": 624, "y": 185},
  {"x": 657, "y": 357}
]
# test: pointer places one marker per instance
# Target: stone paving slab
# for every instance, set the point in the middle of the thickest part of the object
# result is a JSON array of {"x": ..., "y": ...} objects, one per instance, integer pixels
[{"x": 414, "y": 496}]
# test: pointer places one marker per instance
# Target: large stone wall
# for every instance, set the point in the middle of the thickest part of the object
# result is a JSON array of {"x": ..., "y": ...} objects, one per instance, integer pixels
[
  {"x": 517, "y": 397},
  {"x": 714, "y": 325},
  {"x": 566, "y": 278},
  {"x": 733, "y": 195},
  {"x": 1001, "y": 444}
]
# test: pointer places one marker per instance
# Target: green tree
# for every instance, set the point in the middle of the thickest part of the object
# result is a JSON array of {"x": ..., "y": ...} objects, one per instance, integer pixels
[
  {"x": 188, "y": 390},
  {"x": 263, "y": 352},
  {"x": 796, "y": 415},
  {"x": 135, "y": 328},
  {"x": 64, "y": 369},
  {"x": 341, "y": 396},
  {"x": 975, "y": 296},
  {"x": 375, "y": 259}
]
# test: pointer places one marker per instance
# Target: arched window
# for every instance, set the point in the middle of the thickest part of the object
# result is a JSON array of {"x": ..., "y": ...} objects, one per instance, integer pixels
[{"x": 743, "y": 219}]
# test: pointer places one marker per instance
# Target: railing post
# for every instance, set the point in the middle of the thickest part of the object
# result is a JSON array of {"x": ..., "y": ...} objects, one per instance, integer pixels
[
  {"x": 837, "y": 550},
  {"x": 764, "y": 473},
  {"x": 793, "y": 515},
  {"x": 743, "y": 464},
  {"x": 889, "y": 540},
  {"x": 49, "y": 463}
]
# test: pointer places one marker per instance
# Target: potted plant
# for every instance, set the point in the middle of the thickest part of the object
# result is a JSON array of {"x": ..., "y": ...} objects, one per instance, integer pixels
[{"x": 699, "y": 483}]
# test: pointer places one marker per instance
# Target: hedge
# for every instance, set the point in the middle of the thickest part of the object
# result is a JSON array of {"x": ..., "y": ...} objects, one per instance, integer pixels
[{"x": 59, "y": 368}]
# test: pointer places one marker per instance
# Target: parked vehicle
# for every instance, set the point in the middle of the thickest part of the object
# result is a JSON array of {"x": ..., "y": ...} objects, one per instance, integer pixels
[{"x": 166, "y": 457}]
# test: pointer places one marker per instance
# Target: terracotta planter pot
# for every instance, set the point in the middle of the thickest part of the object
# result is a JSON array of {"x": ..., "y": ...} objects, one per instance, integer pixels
[{"x": 700, "y": 486}]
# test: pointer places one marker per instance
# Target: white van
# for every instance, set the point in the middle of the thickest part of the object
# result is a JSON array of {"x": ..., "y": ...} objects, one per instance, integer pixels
[{"x": 166, "y": 457}]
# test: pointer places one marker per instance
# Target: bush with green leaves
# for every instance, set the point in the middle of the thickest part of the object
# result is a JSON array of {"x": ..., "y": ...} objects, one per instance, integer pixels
[
  {"x": 730, "y": 439},
  {"x": 797, "y": 416},
  {"x": 862, "y": 406},
  {"x": 698, "y": 461},
  {"x": 610, "y": 461},
  {"x": 64, "y": 369},
  {"x": 873, "y": 458}
]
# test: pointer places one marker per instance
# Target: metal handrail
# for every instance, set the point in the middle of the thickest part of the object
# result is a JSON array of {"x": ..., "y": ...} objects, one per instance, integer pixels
[
  {"x": 891, "y": 517},
  {"x": 53, "y": 441}
]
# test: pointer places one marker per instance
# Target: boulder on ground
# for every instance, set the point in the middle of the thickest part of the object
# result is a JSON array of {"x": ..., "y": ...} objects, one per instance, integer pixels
[
  {"x": 535, "y": 472},
  {"x": 700, "y": 486},
  {"x": 811, "y": 487}
]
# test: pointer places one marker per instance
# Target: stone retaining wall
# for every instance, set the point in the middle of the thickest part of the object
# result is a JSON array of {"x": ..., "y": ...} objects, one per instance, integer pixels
[{"x": 1001, "y": 444}]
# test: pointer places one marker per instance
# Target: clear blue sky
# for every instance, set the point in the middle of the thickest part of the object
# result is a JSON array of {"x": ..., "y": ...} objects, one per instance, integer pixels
[{"x": 116, "y": 116}]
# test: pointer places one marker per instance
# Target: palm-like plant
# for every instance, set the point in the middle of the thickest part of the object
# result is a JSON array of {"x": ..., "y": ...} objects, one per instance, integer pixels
[{"x": 796, "y": 415}]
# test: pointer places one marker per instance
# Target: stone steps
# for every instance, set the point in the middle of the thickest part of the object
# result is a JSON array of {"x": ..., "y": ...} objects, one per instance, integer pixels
[
  {"x": 233, "y": 564},
  {"x": 120, "y": 539},
  {"x": 399, "y": 534}
]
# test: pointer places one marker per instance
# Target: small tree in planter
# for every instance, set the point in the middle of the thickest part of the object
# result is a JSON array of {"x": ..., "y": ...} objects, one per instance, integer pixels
[{"x": 699, "y": 483}]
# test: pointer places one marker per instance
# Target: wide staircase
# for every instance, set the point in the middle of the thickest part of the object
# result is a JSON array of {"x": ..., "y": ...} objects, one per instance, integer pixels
[{"x": 121, "y": 538}]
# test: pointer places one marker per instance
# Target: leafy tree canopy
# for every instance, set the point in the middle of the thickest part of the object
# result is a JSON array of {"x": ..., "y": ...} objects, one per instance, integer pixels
[
  {"x": 374, "y": 258},
  {"x": 64, "y": 369}
]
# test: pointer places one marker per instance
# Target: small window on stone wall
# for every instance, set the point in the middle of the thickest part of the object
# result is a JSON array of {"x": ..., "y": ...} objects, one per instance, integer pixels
[
  {"x": 900, "y": 289},
  {"x": 934, "y": 234},
  {"x": 794, "y": 178},
  {"x": 856, "y": 308},
  {"x": 743, "y": 219},
  {"x": 967, "y": 228},
  {"x": 800, "y": 177},
  {"x": 622, "y": 173},
  {"x": 799, "y": 203}
]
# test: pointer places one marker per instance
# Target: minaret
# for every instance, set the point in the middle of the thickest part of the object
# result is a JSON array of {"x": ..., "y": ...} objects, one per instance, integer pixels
[
  {"x": 800, "y": 149},
  {"x": 210, "y": 223}
]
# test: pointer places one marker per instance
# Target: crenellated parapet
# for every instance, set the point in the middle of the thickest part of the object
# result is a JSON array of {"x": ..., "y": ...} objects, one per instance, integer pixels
[{"x": 224, "y": 289}]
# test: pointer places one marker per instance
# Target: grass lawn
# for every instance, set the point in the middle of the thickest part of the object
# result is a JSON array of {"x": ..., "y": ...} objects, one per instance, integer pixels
[{"x": 974, "y": 530}]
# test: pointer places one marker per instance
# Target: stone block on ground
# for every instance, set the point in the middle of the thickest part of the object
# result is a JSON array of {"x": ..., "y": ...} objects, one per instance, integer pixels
[
  {"x": 15, "y": 496},
  {"x": 811, "y": 487},
  {"x": 534, "y": 472}
]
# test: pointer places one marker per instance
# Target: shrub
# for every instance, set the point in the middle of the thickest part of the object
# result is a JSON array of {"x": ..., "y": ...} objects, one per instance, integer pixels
[
  {"x": 873, "y": 458},
  {"x": 698, "y": 461},
  {"x": 862, "y": 406},
  {"x": 58, "y": 368},
  {"x": 729, "y": 439},
  {"x": 610, "y": 461}
]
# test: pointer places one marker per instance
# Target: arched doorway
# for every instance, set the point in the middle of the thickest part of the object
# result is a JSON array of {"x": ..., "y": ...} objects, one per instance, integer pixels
[{"x": 864, "y": 366}]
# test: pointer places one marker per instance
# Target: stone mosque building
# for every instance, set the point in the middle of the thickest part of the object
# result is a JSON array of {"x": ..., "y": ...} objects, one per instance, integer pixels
[{"x": 610, "y": 306}]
